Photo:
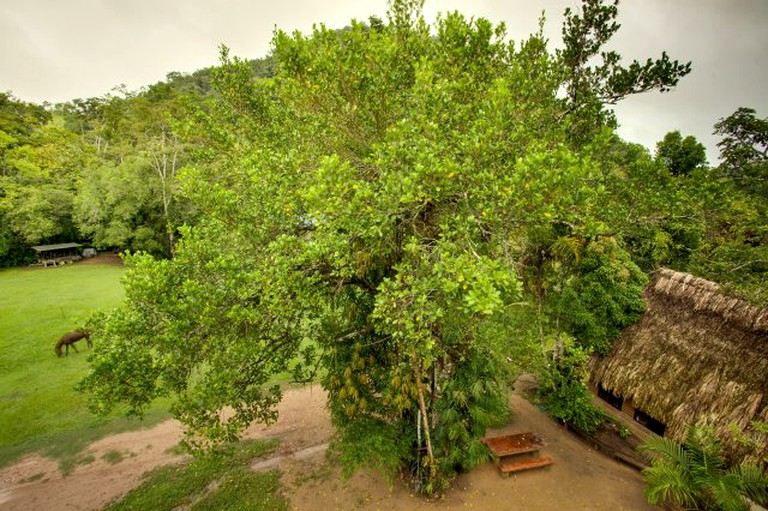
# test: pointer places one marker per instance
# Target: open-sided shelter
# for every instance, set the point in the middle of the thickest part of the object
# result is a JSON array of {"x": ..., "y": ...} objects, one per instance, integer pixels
[{"x": 58, "y": 253}]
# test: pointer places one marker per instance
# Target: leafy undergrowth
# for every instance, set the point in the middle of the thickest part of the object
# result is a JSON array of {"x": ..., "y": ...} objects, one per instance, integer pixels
[{"x": 220, "y": 480}]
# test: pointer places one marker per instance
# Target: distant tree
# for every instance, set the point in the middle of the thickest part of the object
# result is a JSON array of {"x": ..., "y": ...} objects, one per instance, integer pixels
[
  {"x": 18, "y": 122},
  {"x": 128, "y": 195},
  {"x": 19, "y": 119},
  {"x": 680, "y": 155},
  {"x": 159, "y": 145},
  {"x": 115, "y": 206},
  {"x": 733, "y": 200},
  {"x": 744, "y": 149},
  {"x": 39, "y": 185}
]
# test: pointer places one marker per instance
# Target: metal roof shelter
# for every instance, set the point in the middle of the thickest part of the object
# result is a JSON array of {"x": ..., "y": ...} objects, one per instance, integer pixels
[
  {"x": 60, "y": 253},
  {"x": 59, "y": 246}
]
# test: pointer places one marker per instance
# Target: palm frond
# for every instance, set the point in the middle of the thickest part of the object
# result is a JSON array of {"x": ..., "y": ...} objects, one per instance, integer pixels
[
  {"x": 726, "y": 491},
  {"x": 668, "y": 484},
  {"x": 568, "y": 248},
  {"x": 665, "y": 450},
  {"x": 754, "y": 482},
  {"x": 704, "y": 450},
  {"x": 694, "y": 474}
]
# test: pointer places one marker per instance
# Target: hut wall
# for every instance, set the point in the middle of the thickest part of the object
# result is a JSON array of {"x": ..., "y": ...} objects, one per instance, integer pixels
[
  {"x": 628, "y": 409},
  {"x": 625, "y": 415}
]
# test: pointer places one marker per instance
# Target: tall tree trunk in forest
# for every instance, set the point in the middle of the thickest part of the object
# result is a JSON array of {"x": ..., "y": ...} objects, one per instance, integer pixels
[{"x": 165, "y": 166}]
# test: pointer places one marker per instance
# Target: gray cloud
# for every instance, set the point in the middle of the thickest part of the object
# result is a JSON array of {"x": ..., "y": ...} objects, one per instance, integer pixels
[{"x": 59, "y": 50}]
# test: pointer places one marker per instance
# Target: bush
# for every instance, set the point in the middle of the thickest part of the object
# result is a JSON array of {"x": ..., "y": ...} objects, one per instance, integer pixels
[
  {"x": 570, "y": 401},
  {"x": 565, "y": 393}
]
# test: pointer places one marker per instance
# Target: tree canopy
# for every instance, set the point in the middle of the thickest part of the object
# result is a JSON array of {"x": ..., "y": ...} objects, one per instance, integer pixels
[
  {"x": 408, "y": 213},
  {"x": 99, "y": 170},
  {"x": 679, "y": 155},
  {"x": 402, "y": 210}
]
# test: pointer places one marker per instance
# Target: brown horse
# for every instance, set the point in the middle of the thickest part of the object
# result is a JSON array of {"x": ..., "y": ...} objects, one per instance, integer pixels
[{"x": 70, "y": 339}]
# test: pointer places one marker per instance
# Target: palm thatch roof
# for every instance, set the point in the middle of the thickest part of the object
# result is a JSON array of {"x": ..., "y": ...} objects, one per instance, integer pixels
[{"x": 695, "y": 357}]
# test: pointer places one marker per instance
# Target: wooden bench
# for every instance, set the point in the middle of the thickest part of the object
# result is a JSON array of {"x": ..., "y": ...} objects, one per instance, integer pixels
[
  {"x": 509, "y": 466},
  {"x": 58, "y": 261}
]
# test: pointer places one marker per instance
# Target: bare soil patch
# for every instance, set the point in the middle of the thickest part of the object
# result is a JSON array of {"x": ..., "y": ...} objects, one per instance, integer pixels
[
  {"x": 581, "y": 478},
  {"x": 102, "y": 258}
]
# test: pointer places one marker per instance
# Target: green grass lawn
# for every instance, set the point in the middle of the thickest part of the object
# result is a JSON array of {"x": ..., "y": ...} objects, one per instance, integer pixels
[{"x": 39, "y": 408}]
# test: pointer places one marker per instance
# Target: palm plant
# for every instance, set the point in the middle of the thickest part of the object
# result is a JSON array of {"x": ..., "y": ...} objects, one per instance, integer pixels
[{"x": 695, "y": 476}]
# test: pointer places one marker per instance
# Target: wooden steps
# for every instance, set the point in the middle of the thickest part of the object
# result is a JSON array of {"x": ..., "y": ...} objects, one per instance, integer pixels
[{"x": 510, "y": 466}]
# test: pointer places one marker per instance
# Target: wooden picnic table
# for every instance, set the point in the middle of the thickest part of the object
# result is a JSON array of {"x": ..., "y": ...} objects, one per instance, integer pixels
[
  {"x": 509, "y": 448},
  {"x": 511, "y": 445}
]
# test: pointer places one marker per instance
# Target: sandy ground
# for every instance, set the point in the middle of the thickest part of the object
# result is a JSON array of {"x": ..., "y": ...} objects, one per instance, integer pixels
[{"x": 580, "y": 478}]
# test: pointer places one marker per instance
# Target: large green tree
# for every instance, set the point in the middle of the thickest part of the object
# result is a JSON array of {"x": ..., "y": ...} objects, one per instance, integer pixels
[
  {"x": 38, "y": 187},
  {"x": 733, "y": 201},
  {"x": 680, "y": 155},
  {"x": 376, "y": 210}
]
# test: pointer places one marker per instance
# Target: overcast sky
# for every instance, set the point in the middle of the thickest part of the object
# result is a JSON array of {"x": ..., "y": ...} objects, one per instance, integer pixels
[{"x": 58, "y": 50}]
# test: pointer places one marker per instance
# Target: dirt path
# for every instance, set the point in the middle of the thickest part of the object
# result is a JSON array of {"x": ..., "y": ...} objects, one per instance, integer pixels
[
  {"x": 102, "y": 258},
  {"x": 579, "y": 479}
]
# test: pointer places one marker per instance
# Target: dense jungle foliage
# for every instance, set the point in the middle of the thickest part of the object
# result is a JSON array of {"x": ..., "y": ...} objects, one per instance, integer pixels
[{"x": 409, "y": 212}]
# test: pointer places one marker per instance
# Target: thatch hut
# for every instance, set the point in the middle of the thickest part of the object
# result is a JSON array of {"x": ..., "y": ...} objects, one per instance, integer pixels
[{"x": 696, "y": 356}]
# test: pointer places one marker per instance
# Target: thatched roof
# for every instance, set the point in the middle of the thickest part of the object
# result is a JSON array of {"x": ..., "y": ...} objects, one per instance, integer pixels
[{"x": 695, "y": 357}]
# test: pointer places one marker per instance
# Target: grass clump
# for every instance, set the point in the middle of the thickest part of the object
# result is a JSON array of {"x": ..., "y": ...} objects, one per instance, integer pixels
[
  {"x": 245, "y": 490},
  {"x": 113, "y": 457},
  {"x": 33, "y": 478},
  {"x": 222, "y": 479},
  {"x": 68, "y": 465},
  {"x": 176, "y": 450}
]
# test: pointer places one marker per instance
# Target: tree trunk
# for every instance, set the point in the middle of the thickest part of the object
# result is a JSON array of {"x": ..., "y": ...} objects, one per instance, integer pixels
[
  {"x": 424, "y": 416},
  {"x": 166, "y": 171}
]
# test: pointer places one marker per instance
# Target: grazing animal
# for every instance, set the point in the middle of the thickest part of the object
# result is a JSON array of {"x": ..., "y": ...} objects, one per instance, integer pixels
[{"x": 70, "y": 339}]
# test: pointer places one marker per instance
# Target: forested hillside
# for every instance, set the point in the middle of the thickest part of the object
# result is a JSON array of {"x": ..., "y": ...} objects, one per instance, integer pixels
[
  {"x": 408, "y": 212},
  {"x": 105, "y": 171},
  {"x": 100, "y": 170}
]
